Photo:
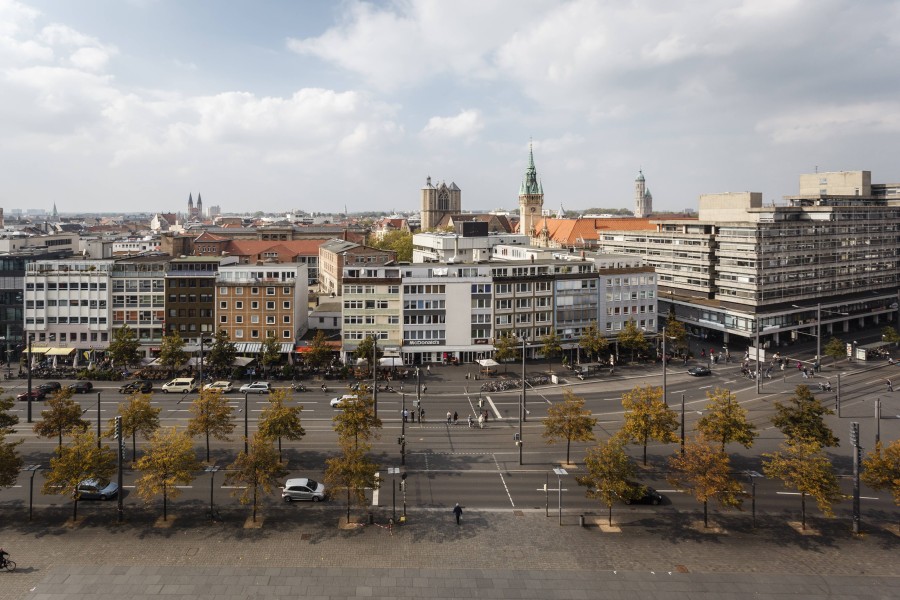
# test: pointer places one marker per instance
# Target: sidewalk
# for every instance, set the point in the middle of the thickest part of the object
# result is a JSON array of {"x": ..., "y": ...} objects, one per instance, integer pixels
[{"x": 493, "y": 554}]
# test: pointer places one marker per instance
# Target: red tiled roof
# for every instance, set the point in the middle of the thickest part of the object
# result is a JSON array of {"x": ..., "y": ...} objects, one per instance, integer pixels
[{"x": 288, "y": 248}]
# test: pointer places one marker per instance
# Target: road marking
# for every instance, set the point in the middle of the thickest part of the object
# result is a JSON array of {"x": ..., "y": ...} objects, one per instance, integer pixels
[
  {"x": 183, "y": 487},
  {"x": 678, "y": 392},
  {"x": 497, "y": 416},
  {"x": 705, "y": 387},
  {"x": 234, "y": 487},
  {"x": 503, "y": 481}
]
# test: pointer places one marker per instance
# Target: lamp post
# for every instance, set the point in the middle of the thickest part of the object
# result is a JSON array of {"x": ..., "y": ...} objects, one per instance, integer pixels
[
  {"x": 524, "y": 413},
  {"x": 403, "y": 430},
  {"x": 211, "y": 469},
  {"x": 99, "y": 434},
  {"x": 246, "y": 426},
  {"x": 31, "y": 469},
  {"x": 758, "y": 378},
  {"x": 30, "y": 340},
  {"x": 559, "y": 473},
  {"x": 665, "y": 398},
  {"x": 202, "y": 341},
  {"x": 375, "y": 374}
]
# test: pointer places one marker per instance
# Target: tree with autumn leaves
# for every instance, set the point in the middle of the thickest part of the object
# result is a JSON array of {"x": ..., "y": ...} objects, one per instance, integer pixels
[
  {"x": 353, "y": 470},
  {"x": 79, "y": 460},
  {"x": 801, "y": 465},
  {"x": 257, "y": 470},
  {"x": 138, "y": 416},
  {"x": 570, "y": 421},
  {"x": 168, "y": 463},
  {"x": 881, "y": 469},
  {"x": 705, "y": 471},
  {"x": 610, "y": 472},
  {"x": 725, "y": 421},
  {"x": 211, "y": 415},
  {"x": 278, "y": 420},
  {"x": 647, "y": 418},
  {"x": 62, "y": 417}
]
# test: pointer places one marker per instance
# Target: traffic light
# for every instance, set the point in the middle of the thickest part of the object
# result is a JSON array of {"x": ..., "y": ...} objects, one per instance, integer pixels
[{"x": 118, "y": 428}]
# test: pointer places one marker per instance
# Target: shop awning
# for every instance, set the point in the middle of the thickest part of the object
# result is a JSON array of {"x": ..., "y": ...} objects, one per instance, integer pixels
[
  {"x": 390, "y": 361},
  {"x": 242, "y": 361},
  {"x": 38, "y": 350},
  {"x": 60, "y": 351},
  {"x": 488, "y": 362},
  {"x": 248, "y": 347}
]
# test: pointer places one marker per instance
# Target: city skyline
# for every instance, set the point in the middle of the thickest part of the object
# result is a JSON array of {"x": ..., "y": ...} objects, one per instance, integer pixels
[{"x": 286, "y": 106}]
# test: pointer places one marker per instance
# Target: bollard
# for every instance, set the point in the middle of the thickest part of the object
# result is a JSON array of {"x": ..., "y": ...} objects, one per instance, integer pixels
[
  {"x": 581, "y": 520},
  {"x": 371, "y": 518}
]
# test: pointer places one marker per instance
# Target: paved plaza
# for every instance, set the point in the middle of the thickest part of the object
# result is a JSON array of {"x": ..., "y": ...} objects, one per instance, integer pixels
[{"x": 492, "y": 554}]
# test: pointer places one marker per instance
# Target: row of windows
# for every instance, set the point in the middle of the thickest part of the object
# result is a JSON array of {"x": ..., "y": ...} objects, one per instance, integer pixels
[
  {"x": 190, "y": 298},
  {"x": 424, "y": 334},
  {"x": 643, "y": 324},
  {"x": 66, "y": 320},
  {"x": 633, "y": 280},
  {"x": 270, "y": 319},
  {"x": 254, "y": 305},
  {"x": 424, "y": 289},
  {"x": 39, "y": 304},
  {"x": 73, "y": 285},
  {"x": 366, "y": 304},
  {"x": 423, "y": 304},
  {"x": 424, "y": 319},
  {"x": 73, "y": 337},
  {"x": 361, "y": 335},
  {"x": 507, "y": 288},
  {"x": 614, "y": 310},
  {"x": 255, "y": 334},
  {"x": 626, "y": 296},
  {"x": 254, "y": 291},
  {"x": 135, "y": 285}
]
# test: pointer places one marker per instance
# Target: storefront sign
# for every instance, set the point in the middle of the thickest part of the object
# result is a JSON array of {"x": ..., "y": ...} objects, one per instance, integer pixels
[
  {"x": 424, "y": 342},
  {"x": 480, "y": 341}
]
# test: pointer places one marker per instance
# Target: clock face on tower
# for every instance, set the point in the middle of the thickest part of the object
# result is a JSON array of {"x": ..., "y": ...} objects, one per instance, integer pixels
[{"x": 532, "y": 209}]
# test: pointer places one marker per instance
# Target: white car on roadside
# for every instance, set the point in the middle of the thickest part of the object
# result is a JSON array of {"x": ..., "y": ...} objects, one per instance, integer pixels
[
  {"x": 339, "y": 402},
  {"x": 222, "y": 386},
  {"x": 257, "y": 387}
]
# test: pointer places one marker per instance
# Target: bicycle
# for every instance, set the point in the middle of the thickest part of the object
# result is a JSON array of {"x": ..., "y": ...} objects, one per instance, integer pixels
[{"x": 8, "y": 565}]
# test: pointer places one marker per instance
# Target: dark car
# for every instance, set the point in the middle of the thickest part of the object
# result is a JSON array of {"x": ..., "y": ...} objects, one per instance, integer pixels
[
  {"x": 35, "y": 395},
  {"x": 699, "y": 371},
  {"x": 648, "y": 496},
  {"x": 144, "y": 386},
  {"x": 50, "y": 386},
  {"x": 81, "y": 387}
]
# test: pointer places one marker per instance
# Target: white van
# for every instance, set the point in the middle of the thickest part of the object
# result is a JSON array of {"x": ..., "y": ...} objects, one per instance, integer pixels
[{"x": 181, "y": 385}]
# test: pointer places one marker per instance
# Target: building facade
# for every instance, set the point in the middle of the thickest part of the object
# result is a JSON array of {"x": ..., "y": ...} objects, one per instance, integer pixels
[
  {"x": 438, "y": 202},
  {"x": 531, "y": 198}
]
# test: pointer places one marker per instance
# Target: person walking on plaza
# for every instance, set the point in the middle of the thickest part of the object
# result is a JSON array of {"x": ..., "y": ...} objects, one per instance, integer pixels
[
  {"x": 471, "y": 421},
  {"x": 890, "y": 386},
  {"x": 405, "y": 415},
  {"x": 428, "y": 369},
  {"x": 481, "y": 421},
  {"x": 449, "y": 417},
  {"x": 457, "y": 512},
  {"x": 455, "y": 417}
]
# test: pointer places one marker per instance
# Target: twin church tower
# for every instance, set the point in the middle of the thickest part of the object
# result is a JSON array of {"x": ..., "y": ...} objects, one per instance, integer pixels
[{"x": 440, "y": 201}]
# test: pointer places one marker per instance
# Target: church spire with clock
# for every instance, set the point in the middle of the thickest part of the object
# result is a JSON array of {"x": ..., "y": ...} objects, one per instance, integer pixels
[{"x": 531, "y": 197}]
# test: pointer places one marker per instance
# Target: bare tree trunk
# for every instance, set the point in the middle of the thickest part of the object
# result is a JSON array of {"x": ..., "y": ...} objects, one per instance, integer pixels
[
  {"x": 75, "y": 508},
  {"x": 207, "y": 444},
  {"x": 133, "y": 445},
  {"x": 165, "y": 515},
  {"x": 706, "y": 513},
  {"x": 803, "y": 511},
  {"x": 609, "y": 506}
]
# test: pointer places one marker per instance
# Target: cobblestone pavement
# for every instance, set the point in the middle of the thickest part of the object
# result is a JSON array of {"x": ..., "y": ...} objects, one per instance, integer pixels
[{"x": 500, "y": 554}]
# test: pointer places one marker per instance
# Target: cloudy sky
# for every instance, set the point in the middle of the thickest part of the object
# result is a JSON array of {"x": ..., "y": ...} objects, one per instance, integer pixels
[{"x": 127, "y": 105}]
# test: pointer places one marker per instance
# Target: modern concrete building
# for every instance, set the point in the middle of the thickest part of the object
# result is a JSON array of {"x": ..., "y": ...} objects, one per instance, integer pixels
[
  {"x": 138, "y": 298},
  {"x": 471, "y": 242},
  {"x": 744, "y": 267},
  {"x": 335, "y": 255}
]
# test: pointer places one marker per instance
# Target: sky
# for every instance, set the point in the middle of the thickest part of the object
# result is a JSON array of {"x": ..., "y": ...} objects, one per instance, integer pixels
[{"x": 130, "y": 105}]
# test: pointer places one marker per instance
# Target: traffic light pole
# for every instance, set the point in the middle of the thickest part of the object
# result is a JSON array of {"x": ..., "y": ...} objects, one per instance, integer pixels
[{"x": 120, "y": 449}]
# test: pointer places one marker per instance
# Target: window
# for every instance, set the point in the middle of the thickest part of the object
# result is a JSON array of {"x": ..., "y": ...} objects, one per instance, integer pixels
[
  {"x": 239, "y": 291},
  {"x": 254, "y": 291},
  {"x": 286, "y": 305},
  {"x": 254, "y": 333},
  {"x": 286, "y": 319},
  {"x": 286, "y": 334},
  {"x": 254, "y": 304},
  {"x": 270, "y": 319},
  {"x": 223, "y": 305},
  {"x": 270, "y": 291},
  {"x": 238, "y": 333},
  {"x": 238, "y": 305},
  {"x": 270, "y": 306},
  {"x": 238, "y": 318},
  {"x": 223, "y": 319},
  {"x": 254, "y": 319}
]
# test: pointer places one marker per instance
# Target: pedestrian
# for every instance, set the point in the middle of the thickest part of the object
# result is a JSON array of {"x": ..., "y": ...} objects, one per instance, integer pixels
[
  {"x": 471, "y": 421},
  {"x": 455, "y": 417},
  {"x": 481, "y": 421},
  {"x": 449, "y": 416},
  {"x": 457, "y": 512},
  {"x": 782, "y": 365},
  {"x": 486, "y": 415},
  {"x": 428, "y": 370},
  {"x": 405, "y": 415},
  {"x": 421, "y": 415},
  {"x": 890, "y": 386}
]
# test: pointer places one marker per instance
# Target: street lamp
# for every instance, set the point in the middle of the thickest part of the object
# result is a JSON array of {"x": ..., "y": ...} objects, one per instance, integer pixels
[
  {"x": 819, "y": 326},
  {"x": 202, "y": 341},
  {"x": 559, "y": 473},
  {"x": 31, "y": 469},
  {"x": 211, "y": 469},
  {"x": 375, "y": 374},
  {"x": 30, "y": 341}
]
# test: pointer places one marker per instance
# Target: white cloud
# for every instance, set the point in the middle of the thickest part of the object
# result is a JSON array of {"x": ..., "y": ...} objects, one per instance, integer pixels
[
  {"x": 817, "y": 123},
  {"x": 465, "y": 125}
]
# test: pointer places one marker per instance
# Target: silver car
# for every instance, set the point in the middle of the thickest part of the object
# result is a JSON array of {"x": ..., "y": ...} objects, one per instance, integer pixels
[
  {"x": 302, "y": 488},
  {"x": 97, "y": 489}
]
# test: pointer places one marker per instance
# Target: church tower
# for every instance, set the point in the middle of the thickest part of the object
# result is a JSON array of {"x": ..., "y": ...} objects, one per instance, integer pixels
[
  {"x": 438, "y": 202},
  {"x": 199, "y": 207},
  {"x": 531, "y": 198},
  {"x": 190, "y": 210},
  {"x": 643, "y": 200}
]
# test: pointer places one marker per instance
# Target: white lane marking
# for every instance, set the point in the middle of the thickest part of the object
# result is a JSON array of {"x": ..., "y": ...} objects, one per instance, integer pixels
[
  {"x": 678, "y": 392},
  {"x": 705, "y": 387},
  {"x": 183, "y": 487},
  {"x": 234, "y": 487},
  {"x": 497, "y": 415},
  {"x": 503, "y": 481}
]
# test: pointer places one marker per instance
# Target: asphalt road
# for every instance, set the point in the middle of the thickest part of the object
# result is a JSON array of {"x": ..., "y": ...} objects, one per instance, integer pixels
[{"x": 448, "y": 463}]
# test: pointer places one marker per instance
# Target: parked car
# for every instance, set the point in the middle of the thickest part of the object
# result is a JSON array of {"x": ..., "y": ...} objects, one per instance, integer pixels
[
  {"x": 180, "y": 385},
  {"x": 699, "y": 371},
  {"x": 339, "y": 402},
  {"x": 97, "y": 489},
  {"x": 257, "y": 387},
  {"x": 145, "y": 386},
  {"x": 81, "y": 387},
  {"x": 649, "y": 496},
  {"x": 222, "y": 386},
  {"x": 35, "y": 395},
  {"x": 50, "y": 386},
  {"x": 302, "y": 488}
]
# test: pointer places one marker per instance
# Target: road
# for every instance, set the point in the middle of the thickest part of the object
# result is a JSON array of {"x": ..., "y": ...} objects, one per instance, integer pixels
[{"x": 448, "y": 463}]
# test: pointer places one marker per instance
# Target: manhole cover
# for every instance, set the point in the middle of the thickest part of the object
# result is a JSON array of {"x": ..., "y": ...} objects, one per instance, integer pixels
[{"x": 305, "y": 536}]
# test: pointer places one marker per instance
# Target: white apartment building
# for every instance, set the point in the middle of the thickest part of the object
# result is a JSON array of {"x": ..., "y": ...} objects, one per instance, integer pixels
[
  {"x": 67, "y": 303},
  {"x": 138, "y": 298},
  {"x": 457, "y": 247}
]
